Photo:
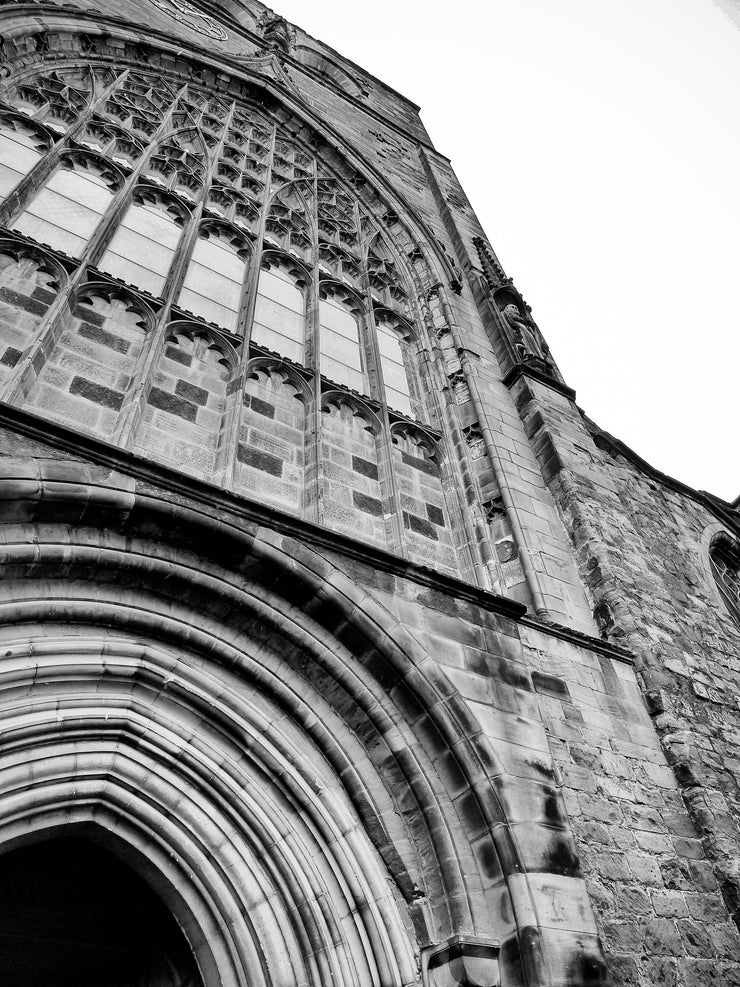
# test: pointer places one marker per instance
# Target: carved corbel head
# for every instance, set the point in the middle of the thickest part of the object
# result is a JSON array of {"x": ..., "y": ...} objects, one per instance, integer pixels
[{"x": 277, "y": 34}]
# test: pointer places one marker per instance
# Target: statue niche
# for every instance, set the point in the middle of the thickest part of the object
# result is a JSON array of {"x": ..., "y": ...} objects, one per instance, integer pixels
[{"x": 525, "y": 337}]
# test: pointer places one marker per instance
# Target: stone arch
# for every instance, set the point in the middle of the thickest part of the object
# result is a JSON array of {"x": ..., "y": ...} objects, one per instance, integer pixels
[
  {"x": 253, "y": 603},
  {"x": 234, "y": 206},
  {"x": 330, "y": 288},
  {"x": 85, "y": 159},
  {"x": 325, "y": 66},
  {"x": 16, "y": 120}
]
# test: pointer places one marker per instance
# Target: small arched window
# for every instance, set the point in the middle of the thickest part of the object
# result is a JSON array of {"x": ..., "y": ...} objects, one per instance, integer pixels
[
  {"x": 724, "y": 557},
  {"x": 279, "y": 318},
  {"x": 213, "y": 283},
  {"x": 19, "y": 152},
  {"x": 143, "y": 246},
  {"x": 67, "y": 210},
  {"x": 341, "y": 353},
  {"x": 394, "y": 372}
]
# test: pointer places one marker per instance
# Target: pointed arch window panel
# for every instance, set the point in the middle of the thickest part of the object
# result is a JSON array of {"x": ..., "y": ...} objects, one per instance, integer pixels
[
  {"x": 67, "y": 210},
  {"x": 341, "y": 353},
  {"x": 143, "y": 246},
  {"x": 214, "y": 281},
  {"x": 19, "y": 152},
  {"x": 394, "y": 372},
  {"x": 279, "y": 314}
]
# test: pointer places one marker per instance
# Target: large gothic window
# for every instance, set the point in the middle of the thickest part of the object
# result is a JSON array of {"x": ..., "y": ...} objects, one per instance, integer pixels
[
  {"x": 257, "y": 247},
  {"x": 313, "y": 226}
]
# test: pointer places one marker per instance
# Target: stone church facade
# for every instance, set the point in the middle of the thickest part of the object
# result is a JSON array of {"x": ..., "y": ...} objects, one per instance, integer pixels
[{"x": 337, "y": 645}]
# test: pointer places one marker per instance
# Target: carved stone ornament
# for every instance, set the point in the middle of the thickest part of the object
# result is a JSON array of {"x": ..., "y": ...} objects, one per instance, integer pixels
[
  {"x": 193, "y": 18},
  {"x": 277, "y": 33},
  {"x": 527, "y": 340}
]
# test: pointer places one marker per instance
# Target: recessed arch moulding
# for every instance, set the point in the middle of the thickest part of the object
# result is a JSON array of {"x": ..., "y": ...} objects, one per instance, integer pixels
[{"x": 261, "y": 739}]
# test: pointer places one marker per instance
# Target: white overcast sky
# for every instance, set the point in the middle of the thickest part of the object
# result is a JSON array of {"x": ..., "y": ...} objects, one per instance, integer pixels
[{"x": 599, "y": 143}]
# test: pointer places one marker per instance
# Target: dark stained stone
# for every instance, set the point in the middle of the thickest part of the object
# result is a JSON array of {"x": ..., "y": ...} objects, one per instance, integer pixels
[
  {"x": 549, "y": 685},
  {"x": 198, "y": 395},
  {"x": 178, "y": 355},
  {"x": 424, "y": 465},
  {"x": 96, "y": 393},
  {"x": 10, "y": 357},
  {"x": 17, "y": 300},
  {"x": 105, "y": 338},
  {"x": 172, "y": 404},
  {"x": 260, "y": 460},
  {"x": 370, "y": 505},
  {"x": 420, "y": 525},
  {"x": 435, "y": 515},
  {"x": 365, "y": 467},
  {"x": 259, "y": 406}
]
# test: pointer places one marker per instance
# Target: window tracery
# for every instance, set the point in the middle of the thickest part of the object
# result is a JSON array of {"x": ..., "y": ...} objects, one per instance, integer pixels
[
  {"x": 340, "y": 315},
  {"x": 21, "y": 148},
  {"x": 724, "y": 558},
  {"x": 279, "y": 314},
  {"x": 214, "y": 281},
  {"x": 68, "y": 208},
  {"x": 150, "y": 229},
  {"x": 214, "y": 207}
]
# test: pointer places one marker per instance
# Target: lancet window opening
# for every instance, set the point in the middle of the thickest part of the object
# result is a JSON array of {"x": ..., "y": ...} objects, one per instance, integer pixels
[
  {"x": 208, "y": 206},
  {"x": 724, "y": 558}
]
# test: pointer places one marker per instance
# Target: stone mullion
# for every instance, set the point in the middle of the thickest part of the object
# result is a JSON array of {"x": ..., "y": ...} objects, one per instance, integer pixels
[
  {"x": 392, "y": 494},
  {"x": 131, "y": 411},
  {"x": 314, "y": 470},
  {"x": 37, "y": 176},
  {"x": 229, "y": 446},
  {"x": 102, "y": 236},
  {"x": 530, "y": 573}
]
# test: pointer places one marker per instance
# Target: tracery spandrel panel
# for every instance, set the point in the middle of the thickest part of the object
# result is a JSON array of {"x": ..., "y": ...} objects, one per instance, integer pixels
[{"x": 241, "y": 244}]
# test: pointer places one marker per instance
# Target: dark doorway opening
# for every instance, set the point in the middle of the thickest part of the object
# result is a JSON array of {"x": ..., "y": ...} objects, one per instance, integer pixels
[{"x": 73, "y": 915}]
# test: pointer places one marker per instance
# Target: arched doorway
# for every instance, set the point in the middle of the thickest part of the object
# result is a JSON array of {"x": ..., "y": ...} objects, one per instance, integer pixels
[{"x": 73, "y": 915}]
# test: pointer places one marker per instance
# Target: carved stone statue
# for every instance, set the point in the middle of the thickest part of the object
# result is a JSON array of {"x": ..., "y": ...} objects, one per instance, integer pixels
[
  {"x": 527, "y": 339},
  {"x": 277, "y": 33}
]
